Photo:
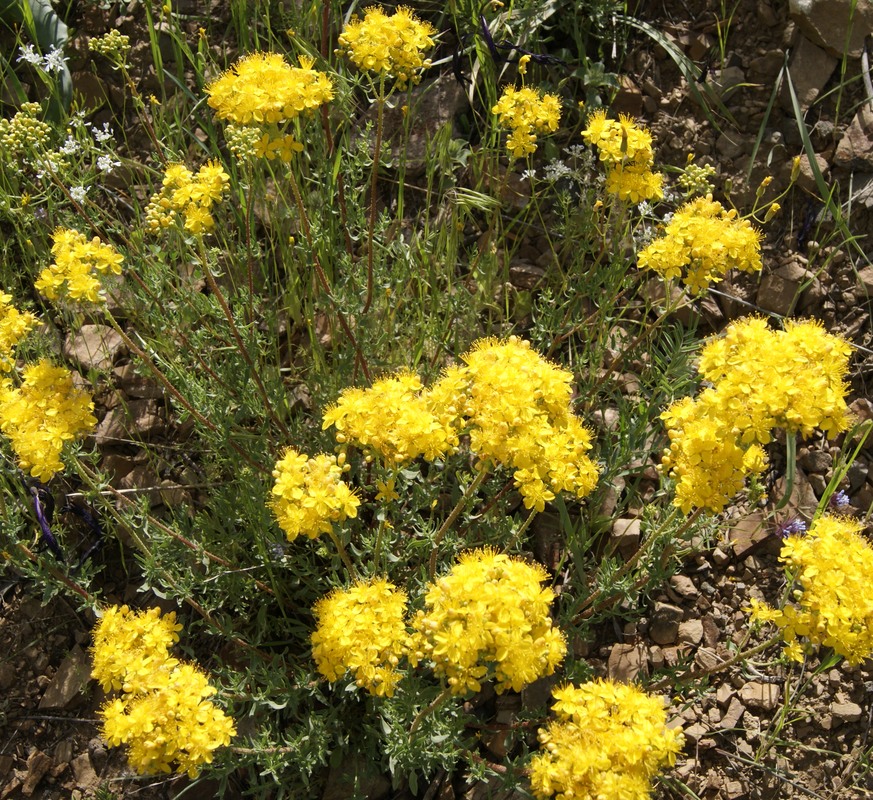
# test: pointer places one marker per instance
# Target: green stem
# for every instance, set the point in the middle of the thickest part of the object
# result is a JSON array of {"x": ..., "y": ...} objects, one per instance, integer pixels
[
  {"x": 456, "y": 511},
  {"x": 374, "y": 180},
  {"x": 344, "y": 555},
  {"x": 518, "y": 534},
  {"x": 241, "y": 346},
  {"x": 790, "y": 468},
  {"x": 443, "y": 696},
  {"x": 322, "y": 278}
]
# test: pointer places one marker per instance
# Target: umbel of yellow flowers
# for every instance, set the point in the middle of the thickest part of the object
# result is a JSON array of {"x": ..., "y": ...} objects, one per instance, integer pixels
[
  {"x": 761, "y": 379},
  {"x": 607, "y": 741},
  {"x": 163, "y": 716},
  {"x": 832, "y": 566}
]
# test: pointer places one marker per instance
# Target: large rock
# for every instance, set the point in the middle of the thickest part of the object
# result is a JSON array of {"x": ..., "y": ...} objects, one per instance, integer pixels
[
  {"x": 810, "y": 68},
  {"x": 94, "y": 347},
  {"x": 828, "y": 22}
]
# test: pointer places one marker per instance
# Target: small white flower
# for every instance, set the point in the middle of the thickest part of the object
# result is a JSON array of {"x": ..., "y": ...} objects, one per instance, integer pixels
[
  {"x": 28, "y": 53},
  {"x": 645, "y": 208},
  {"x": 106, "y": 164},
  {"x": 575, "y": 150},
  {"x": 528, "y": 174},
  {"x": 77, "y": 120},
  {"x": 78, "y": 193},
  {"x": 69, "y": 147},
  {"x": 54, "y": 61},
  {"x": 104, "y": 135},
  {"x": 556, "y": 170}
]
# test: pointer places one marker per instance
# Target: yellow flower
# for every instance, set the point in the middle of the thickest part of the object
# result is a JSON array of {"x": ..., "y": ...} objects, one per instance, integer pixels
[
  {"x": 77, "y": 259},
  {"x": 189, "y": 195},
  {"x": 309, "y": 495},
  {"x": 701, "y": 243},
  {"x": 489, "y": 617},
  {"x": 262, "y": 89},
  {"x": 526, "y": 112},
  {"x": 41, "y": 415},
  {"x": 388, "y": 45},
  {"x": 361, "y": 630},
  {"x": 14, "y": 326},
  {"x": 607, "y": 742}
]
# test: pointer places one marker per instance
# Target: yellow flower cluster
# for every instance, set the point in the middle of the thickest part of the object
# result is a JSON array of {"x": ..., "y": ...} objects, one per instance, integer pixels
[
  {"x": 701, "y": 243},
  {"x": 263, "y": 93},
  {"x": 190, "y": 195},
  {"x": 163, "y": 716},
  {"x": 14, "y": 326},
  {"x": 762, "y": 379},
  {"x": 833, "y": 565},
  {"x": 362, "y": 630},
  {"x": 607, "y": 742},
  {"x": 41, "y": 415},
  {"x": 489, "y": 617},
  {"x": 394, "y": 419},
  {"x": 264, "y": 89},
  {"x": 526, "y": 112},
  {"x": 518, "y": 406},
  {"x": 626, "y": 151},
  {"x": 23, "y": 133},
  {"x": 309, "y": 494},
  {"x": 391, "y": 46},
  {"x": 514, "y": 404},
  {"x": 77, "y": 259}
]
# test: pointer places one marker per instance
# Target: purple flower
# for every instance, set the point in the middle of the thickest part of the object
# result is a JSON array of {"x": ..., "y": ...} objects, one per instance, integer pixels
[
  {"x": 791, "y": 527},
  {"x": 839, "y": 500}
]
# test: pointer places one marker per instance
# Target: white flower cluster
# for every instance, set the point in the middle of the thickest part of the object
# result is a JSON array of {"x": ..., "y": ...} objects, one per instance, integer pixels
[{"x": 53, "y": 61}]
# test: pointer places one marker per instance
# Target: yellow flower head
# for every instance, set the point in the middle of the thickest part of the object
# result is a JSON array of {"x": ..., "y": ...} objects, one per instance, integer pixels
[
  {"x": 14, "y": 326},
  {"x": 263, "y": 89},
  {"x": 361, "y": 630},
  {"x": 188, "y": 195},
  {"x": 41, "y": 415},
  {"x": 607, "y": 741},
  {"x": 526, "y": 112},
  {"x": 388, "y": 45},
  {"x": 489, "y": 617},
  {"x": 394, "y": 419},
  {"x": 77, "y": 260},
  {"x": 701, "y": 243},
  {"x": 625, "y": 149},
  {"x": 309, "y": 495}
]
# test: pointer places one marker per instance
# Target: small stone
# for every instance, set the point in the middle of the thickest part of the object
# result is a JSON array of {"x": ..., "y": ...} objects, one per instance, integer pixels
[
  {"x": 664, "y": 625},
  {"x": 695, "y": 732},
  {"x": 748, "y": 534},
  {"x": 846, "y": 712},
  {"x": 626, "y": 536},
  {"x": 683, "y": 587},
  {"x": 732, "y": 716},
  {"x": 810, "y": 67},
  {"x": 73, "y": 673},
  {"x": 760, "y": 695},
  {"x": 719, "y": 557},
  {"x": 83, "y": 772},
  {"x": 38, "y": 764},
  {"x": 855, "y": 149},
  {"x": 690, "y": 632},
  {"x": 724, "y": 694}
]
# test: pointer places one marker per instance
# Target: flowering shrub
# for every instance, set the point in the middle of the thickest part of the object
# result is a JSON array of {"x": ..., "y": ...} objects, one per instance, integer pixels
[
  {"x": 14, "y": 326},
  {"x": 526, "y": 112},
  {"x": 833, "y": 567},
  {"x": 608, "y": 741},
  {"x": 762, "y": 379},
  {"x": 309, "y": 495},
  {"x": 189, "y": 195},
  {"x": 625, "y": 149},
  {"x": 489, "y": 617}
]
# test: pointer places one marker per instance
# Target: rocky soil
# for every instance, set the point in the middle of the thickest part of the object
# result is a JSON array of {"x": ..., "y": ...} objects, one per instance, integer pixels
[{"x": 740, "y": 744}]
